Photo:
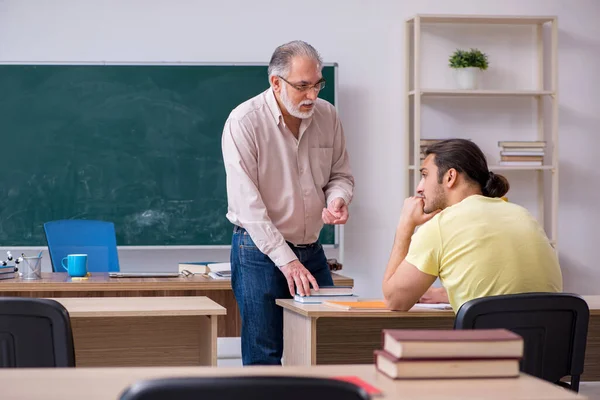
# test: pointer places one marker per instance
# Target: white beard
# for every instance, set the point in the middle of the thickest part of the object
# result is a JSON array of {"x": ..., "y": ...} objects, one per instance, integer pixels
[{"x": 293, "y": 109}]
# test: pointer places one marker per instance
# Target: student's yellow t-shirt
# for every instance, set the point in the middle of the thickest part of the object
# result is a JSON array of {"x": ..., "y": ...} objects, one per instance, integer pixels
[{"x": 484, "y": 247}]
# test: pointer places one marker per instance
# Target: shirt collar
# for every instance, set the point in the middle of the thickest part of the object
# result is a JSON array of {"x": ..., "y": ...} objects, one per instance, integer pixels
[
  {"x": 273, "y": 106},
  {"x": 278, "y": 116}
]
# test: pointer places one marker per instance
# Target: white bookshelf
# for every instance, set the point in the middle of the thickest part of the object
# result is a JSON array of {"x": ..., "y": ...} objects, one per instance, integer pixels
[{"x": 547, "y": 126}]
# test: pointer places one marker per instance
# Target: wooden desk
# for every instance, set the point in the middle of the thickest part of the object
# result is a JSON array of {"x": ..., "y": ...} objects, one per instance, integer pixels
[
  {"x": 58, "y": 284},
  {"x": 349, "y": 337},
  {"x": 148, "y": 331},
  {"x": 109, "y": 383},
  {"x": 346, "y": 337}
]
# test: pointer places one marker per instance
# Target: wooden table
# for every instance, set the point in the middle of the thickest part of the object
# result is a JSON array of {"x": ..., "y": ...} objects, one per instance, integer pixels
[
  {"x": 349, "y": 337},
  {"x": 345, "y": 337},
  {"x": 58, "y": 284},
  {"x": 144, "y": 331},
  {"x": 109, "y": 383}
]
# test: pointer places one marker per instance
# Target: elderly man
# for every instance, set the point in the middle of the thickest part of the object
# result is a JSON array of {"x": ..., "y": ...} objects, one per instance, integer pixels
[{"x": 287, "y": 173}]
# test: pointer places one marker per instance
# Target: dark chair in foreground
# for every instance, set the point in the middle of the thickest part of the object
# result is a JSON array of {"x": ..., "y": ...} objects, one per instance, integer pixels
[
  {"x": 244, "y": 387},
  {"x": 554, "y": 328},
  {"x": 97, "y": 239},
  {"x": 35, "y": 333}
]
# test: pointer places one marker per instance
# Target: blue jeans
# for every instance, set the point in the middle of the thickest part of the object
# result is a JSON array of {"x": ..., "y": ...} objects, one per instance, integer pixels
[{"x": 256, "y": 283}]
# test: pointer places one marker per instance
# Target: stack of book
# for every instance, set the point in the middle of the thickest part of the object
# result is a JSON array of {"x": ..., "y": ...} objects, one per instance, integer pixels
[
  {"x": 7, "y": 272},
  {"x": 477, "y": 353},
  {"x": 425, "y": 143},
  {"x": 522, "y": 153},
  {"x": 326, "y": 293}
]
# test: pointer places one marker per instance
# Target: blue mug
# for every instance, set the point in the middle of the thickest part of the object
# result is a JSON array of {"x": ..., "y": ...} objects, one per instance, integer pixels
[{"x": 76, "y": 264}]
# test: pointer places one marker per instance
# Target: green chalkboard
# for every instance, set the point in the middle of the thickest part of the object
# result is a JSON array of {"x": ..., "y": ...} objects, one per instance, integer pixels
[{"x": 139, "y": 145}]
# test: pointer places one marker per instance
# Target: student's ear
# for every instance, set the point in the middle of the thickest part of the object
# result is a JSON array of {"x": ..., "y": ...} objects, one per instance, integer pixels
[{"x": 450, "y": 178}]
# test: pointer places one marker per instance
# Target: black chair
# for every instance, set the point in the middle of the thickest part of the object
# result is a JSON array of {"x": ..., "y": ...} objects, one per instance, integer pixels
[
  {"x": 244, "y": 387},
  {"x": 35, "y": 333},
  {"x": 554, "y": 328}
]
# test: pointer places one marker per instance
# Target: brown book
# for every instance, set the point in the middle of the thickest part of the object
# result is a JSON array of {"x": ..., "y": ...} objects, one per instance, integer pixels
[
  {"x": 450, "y": 343},
  {"x": 522, "y": 158},
  {"x": 445, "y": 367}
]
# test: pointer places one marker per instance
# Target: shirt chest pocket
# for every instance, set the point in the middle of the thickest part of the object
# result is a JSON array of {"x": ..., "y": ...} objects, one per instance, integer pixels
[{"x": 320, "y": 164}]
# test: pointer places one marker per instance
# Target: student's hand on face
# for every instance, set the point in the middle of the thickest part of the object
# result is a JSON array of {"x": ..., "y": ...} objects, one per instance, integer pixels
[
  {"x": 296, "y": 274},
  {"x": 336, "y": 213},
  {"x": 412, "y": 214}
]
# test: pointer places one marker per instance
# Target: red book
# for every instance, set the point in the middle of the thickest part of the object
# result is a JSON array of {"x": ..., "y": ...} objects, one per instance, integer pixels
[{"x": 450, "y": 343}]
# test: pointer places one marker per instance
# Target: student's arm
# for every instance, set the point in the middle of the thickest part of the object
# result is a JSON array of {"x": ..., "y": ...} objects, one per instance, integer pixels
[
  {"x": 403, "y": 282},
  {"x": 435, "y": 296}
]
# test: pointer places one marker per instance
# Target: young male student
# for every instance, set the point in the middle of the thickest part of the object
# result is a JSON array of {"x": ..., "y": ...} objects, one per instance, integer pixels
[
  {"x": 288, "y": 172},
  {"x": 475, "y": 242}
]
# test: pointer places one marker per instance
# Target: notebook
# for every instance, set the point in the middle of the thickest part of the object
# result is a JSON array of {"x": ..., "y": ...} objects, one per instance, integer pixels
[{"x": 357, "y": 305}]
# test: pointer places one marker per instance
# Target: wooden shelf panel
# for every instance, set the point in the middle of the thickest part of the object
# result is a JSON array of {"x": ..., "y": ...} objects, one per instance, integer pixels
[
  {"x": 510, "y": 167},
  {"x": 483, "y": 19},
  {"x": 490, "y": 93}
]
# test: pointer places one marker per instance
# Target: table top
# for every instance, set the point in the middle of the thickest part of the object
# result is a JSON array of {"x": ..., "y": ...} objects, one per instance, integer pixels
[
  {"x": 140, "y": 306},
  {"x": 320, "y": 310},
  {"x": 109, "y": 383},
  {"x": 60, "y": 281}
]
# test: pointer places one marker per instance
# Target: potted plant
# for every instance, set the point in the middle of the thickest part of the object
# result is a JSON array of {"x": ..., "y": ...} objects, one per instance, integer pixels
[{"x": 467, "y": 66}]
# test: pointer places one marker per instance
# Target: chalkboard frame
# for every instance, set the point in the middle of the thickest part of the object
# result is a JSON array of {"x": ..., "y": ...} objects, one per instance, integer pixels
[{"x": 338, "y": 229}]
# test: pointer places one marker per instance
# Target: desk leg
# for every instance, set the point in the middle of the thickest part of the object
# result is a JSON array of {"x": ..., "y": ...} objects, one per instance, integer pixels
[{"x": 299, "y": 339}]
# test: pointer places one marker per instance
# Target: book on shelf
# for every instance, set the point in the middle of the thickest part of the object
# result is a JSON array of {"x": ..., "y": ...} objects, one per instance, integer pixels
[
  {"x": 436, "y": 368},
  {"x": 467, "y": 343},
  {"x": 522, "y": 158},
  {"x": 522, "y": 143},
  {"x": 522, "y": 153},
  {"x": 521, "y": 163},
  {"x": 321, "y": 299}
]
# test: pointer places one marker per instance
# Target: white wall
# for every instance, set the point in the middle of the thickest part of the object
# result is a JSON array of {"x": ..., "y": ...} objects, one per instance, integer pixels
[{"x": 366, "y": 38}]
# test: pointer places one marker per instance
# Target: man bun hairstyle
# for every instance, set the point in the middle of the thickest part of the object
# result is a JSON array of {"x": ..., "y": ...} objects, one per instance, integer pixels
[{"x": 467, "y": 158}]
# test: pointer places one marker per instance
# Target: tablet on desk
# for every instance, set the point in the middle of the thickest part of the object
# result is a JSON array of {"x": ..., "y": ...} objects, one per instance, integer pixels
[{"x": 143, "y": 274}]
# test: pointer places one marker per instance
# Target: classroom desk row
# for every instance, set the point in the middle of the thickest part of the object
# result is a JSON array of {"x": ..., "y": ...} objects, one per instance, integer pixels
[
  {"x": 317, "y": 334},
  {"x": 109, "y": 383},
  {"x": 58, "y": 285}
]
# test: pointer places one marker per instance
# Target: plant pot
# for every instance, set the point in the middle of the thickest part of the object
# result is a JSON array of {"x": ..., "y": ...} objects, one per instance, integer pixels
[{"x": 467, "y": 78}]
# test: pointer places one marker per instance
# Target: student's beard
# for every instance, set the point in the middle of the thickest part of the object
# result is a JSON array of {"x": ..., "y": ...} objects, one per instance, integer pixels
[{"x": 438, "y": 201}]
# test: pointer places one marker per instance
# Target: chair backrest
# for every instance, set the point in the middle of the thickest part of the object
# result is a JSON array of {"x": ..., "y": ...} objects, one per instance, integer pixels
[
  {"x": 554, "y": 328},
  {"x": 97, "y": 239},
  {"x": 35, "y": 333},
  {"x": 244, "y": 387}
]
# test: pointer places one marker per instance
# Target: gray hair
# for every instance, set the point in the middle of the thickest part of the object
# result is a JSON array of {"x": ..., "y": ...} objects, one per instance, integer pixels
[{"x": 282, "y": 57}]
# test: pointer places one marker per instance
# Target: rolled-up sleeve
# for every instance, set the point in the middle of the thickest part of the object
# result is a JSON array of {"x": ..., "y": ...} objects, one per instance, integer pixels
[{"x": 240, "y": 156}]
